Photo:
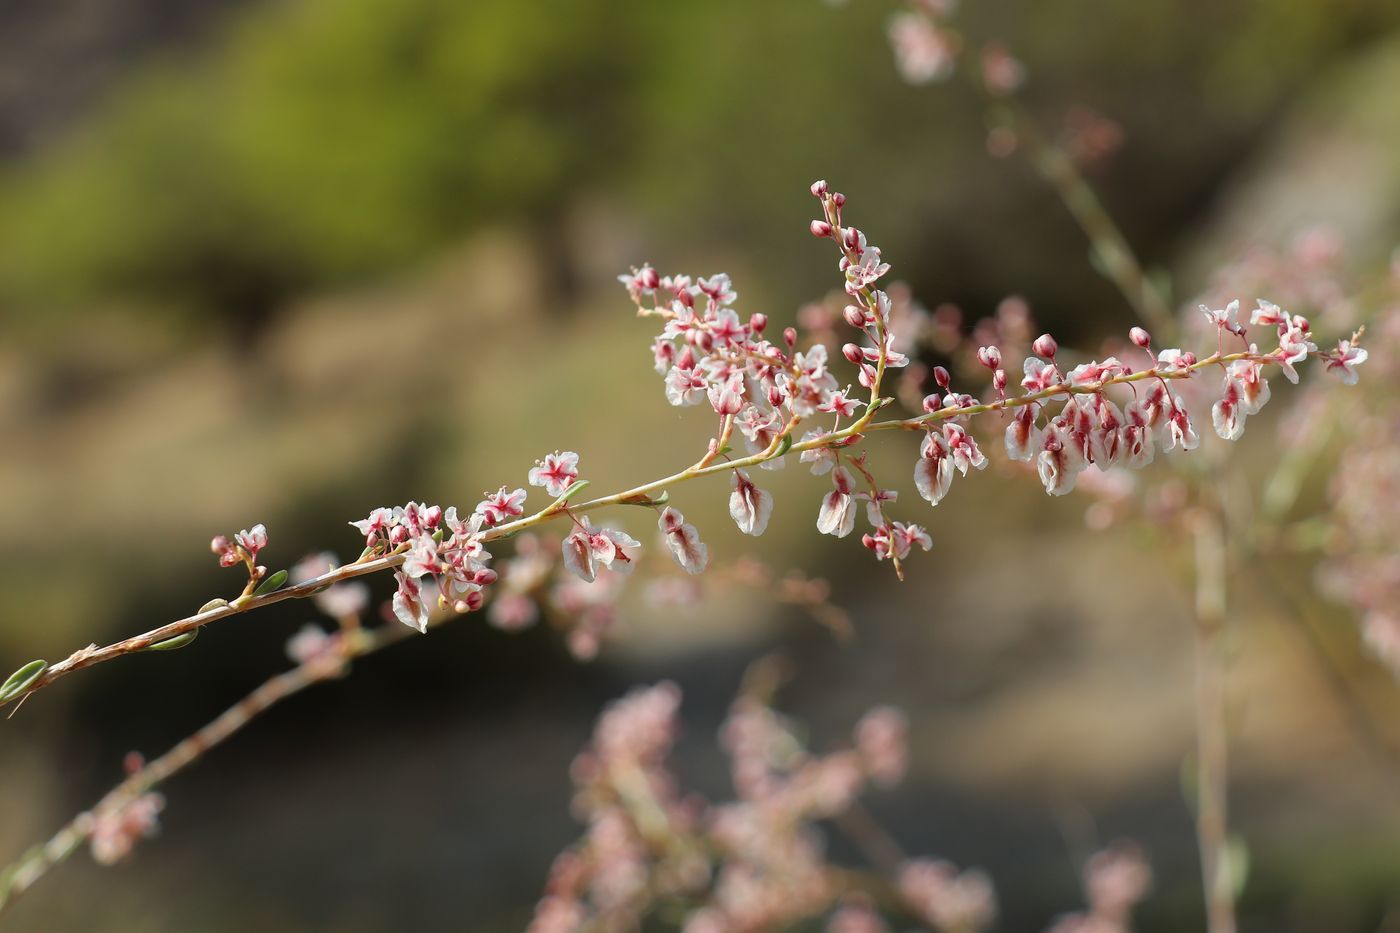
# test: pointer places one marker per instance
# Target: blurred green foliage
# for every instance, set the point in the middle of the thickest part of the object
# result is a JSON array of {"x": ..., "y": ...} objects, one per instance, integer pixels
[{"x": 315, "y": 142}]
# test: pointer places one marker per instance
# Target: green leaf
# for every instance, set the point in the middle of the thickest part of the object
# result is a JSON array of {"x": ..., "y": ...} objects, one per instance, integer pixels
[
  {"x": 574, "y": 489},
  {"x": 271, "y": 584},
  {"x": 179, "y": 641},
  {"x": 1237, "y": 863},
  {"x": 784, "y": 443},
  {"x": 20, "y": 680}
]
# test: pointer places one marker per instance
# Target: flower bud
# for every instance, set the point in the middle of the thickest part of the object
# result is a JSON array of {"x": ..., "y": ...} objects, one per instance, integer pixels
[
  {"x": 942, "y": 377},
  {"x": 219, "y": 545},
  {"x": 648, "y": 278},
  {"x": 852, "y": 352},
  {"x": 819, "y": 188},
  {"x": 790, "y": 336},
  {"x": 850, "y": 238},
  {"x": 838, "y": 199},
  {"x": 999, "y": 380},
  {"x": 855, "y": 316},
  {"x": 1140, "y": 337},
  {"x": 820, "y": 228},
  {"x": 1045, "y": 346},
  {"x": 989, "y": 357},
  {"x": 932, "y": 403},
  {"x": 758, "y": 323}
]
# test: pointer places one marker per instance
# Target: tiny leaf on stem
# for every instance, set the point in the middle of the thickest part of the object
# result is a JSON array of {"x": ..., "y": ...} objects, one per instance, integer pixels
[
  {"x": 271, "y": 584},
  {"x": 21, "y": 679}
]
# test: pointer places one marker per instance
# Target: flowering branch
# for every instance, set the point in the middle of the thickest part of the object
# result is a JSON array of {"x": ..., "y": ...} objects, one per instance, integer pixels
[
  {"x": 127, "y": 813},
  {"x": 768, "y": 392}
]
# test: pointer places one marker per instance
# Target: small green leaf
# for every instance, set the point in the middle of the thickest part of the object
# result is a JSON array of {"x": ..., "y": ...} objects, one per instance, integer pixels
[
  {"x": 217, "y": 602},
  {"x": 20, "y": 680},
  {"x": 1237, "y": 863},
  {"x": 784, "y": 443},
  {"x": 179, "y": 641},
  {"x": 271, "y": 584},
  {"x": 576, "y": 487}
]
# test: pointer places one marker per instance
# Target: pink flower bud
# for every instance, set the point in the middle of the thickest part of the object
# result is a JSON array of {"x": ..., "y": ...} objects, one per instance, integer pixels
[
  {"x": 758, "y": 323},
  {"x": 932, "y": 403},
  {"x": 1045, "y": 346},
  {"x": 850, "y": 238},
  {"x": 1140, "y": 337},
  {"x": 855, "y": 316},
  {"x": 790, "y": 336},
  {"x": 942, "y": 377},
  {"x": 838, "y": 199},
  {"x": 853, "y": 353},
  {"x": 648, "y": 278},
  {"x": 220, "y": 544},
  {"x": 819, "y": 188},
  {"x": 999, "y": 380},
  {"x": 820, "y": 228},
  {"x": 989, "y": 357}
]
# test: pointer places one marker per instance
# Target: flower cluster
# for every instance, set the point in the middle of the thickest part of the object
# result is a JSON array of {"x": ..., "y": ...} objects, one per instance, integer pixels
[
  {"x": 1068, "y": 417},
  {"x": 1116, "y": 879},
  {"x": 243, "y": 549},
  {"x": 116, "y": 830},
  {"x": 755, "y": 863}
]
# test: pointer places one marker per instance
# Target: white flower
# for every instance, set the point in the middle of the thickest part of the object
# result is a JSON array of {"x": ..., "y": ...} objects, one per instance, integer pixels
[
  {"x": 684, "y": 541},
  {"x": 749, "y": 506},
  {"x": 838, "y": 512}
]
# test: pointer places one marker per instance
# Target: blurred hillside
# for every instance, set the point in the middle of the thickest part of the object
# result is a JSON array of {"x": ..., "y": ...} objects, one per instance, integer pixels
[{"x": 286, "y": 262}]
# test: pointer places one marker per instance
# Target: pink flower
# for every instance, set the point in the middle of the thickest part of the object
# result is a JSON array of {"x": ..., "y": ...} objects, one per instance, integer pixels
[
  {"x": 556, "y": 472},
  {"x": 896, "y": 540},
  {"x": 684, "y": 541},
  {"x": 933, "y": 471},
  {"x": 1293, "y": 347},
  {"x": 728, "y": 398},
  {"x": 1023, "y": 438},
  {"x": 376, "y": 526},
  {"x": 949, "y": 900},
  {"x": 1225, "y": 318},
  {"x": 588, "y": 547},
  {"x": 874, "y": 510},
  {"x": 838, "y": 512},
  {"x": 1040, "y": 375},
  {"x": 1180, "y": 431},
  {"x": 408, "y": 603},
  {"x": 1060, "y": 462},
  {"x": 1268, "y": 314},
  {"x": 923, "y": 53},
  {"x": 252, "y": 541},
  {"x": 1346, "y": 358},
  {"x": 839, "y": 404},
  {"x": 963, "y": 449},
  {"x": 684, "y": 387},
  {"x": 882, "y": 739},
  {"x": 310, "y": 644},
  {"x": 501, "y": 505},
  {"x": 116, "y": 830},
  {"x": 749, "y": 506}
]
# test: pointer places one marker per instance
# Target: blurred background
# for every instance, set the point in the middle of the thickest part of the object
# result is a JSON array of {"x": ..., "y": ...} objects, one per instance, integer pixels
[{"x": 289, "y": 261}]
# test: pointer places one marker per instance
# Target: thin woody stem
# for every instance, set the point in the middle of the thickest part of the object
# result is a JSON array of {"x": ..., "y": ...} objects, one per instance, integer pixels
[
  {"x": 1212, "y": 724},
  {"x": 642, "y": 494},
  {"x": 20, "y": 876}
]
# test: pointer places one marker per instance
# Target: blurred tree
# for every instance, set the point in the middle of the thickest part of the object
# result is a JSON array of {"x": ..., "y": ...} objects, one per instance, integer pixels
[{"x": 319, "y": 142}]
